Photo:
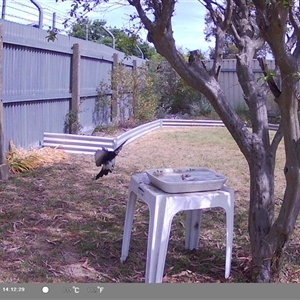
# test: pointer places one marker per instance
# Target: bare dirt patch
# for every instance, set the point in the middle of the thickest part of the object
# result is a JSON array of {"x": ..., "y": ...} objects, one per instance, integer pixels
[{"x": 57, "y": 224}]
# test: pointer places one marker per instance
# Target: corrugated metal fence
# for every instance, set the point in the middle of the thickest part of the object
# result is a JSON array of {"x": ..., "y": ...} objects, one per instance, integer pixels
[
  {"x": 39, "y": 82},
  {"x": 80, "y": 144},
  {"x": 229, "y": 83}
]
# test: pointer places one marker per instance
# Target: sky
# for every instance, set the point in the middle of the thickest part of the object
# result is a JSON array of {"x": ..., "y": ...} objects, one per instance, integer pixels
[{"x": 188, "y": 21}]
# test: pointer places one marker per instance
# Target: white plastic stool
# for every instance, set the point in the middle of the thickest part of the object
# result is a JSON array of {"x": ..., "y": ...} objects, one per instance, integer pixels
[{"x": 162, "y": 209}]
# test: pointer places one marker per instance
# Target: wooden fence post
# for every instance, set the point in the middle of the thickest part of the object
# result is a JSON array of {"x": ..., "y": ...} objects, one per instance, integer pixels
[
  {"x": 4, "y": 172},
  {"x": 73, "y": 116},
  {"x": 114, "y": 98}
]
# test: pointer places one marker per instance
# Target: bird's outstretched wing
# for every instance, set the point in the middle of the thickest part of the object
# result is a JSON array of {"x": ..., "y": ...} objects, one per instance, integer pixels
[
  {"x": 119, "y": 148},
  {"x": 100, "y": 156}
]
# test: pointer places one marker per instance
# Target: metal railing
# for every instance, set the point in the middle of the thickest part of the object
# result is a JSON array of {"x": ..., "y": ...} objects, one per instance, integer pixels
[
  {"x": 273, "y": 127},
  {"x": 137, "y": 132},
  {"x": 184, "y": 122},
  {"x": 81, "y": 144},
  {"x": 84, "y": 144}
]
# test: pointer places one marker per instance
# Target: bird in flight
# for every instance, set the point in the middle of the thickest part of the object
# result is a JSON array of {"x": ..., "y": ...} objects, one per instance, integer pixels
[{"x": 106, "y": 158}]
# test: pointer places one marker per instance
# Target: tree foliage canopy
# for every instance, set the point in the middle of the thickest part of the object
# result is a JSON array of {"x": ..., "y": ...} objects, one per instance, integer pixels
[{"x": 125, "y": 40}]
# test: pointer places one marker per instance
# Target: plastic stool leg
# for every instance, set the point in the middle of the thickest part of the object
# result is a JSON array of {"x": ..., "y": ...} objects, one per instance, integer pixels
[
  {"x": 229, "y": 238},
  {"x": 158, "y": 228},
  {"x": 188, "y": 226},
  {"x": 192, "y": 229},
  {"x": 229, "y": 230},
  {"x": 162, "y": 247},
  {"x": 128, "y": 225}
]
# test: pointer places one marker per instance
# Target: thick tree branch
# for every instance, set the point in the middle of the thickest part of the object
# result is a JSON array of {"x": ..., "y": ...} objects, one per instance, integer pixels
[
  {"x": 276, "y": 140},
  {"x": 294, "y": 18},
  {"x": 157, "y": 5},
  {"x": 162, "y": 12},
  {"x": 227, "y": 15},
  {"x": 254, "y": 95},
  {"x": 222, "y": 19},
  {"x": 218, "y": 57},
  {"x": 270, "y": 80},
  {"x": 237, "y": 38},
  {"x": 276, "y": 92},
  {"x": 167, "y": 12},
  {"x": 143, "y": 16},
  {"x": 271, "y": 18},
  {"x": 296, "y": 52},
  {"x": 291, "y": 41}
]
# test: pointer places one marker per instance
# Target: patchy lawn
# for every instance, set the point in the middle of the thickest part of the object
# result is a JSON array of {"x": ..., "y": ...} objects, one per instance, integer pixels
[{"x": 57, "y": 224}]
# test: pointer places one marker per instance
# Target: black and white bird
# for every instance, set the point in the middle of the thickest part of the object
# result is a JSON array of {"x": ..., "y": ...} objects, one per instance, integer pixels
[{"x": 106, "y": 159}]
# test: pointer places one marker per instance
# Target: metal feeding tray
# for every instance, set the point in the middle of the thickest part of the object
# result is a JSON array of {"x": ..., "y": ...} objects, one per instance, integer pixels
[{"x": 186, "y": 180}]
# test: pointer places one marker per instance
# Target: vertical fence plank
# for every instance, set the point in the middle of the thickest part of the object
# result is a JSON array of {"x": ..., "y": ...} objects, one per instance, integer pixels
[
  {"x": 114, "y": 99},
  {"x": 3, "y": 166}
]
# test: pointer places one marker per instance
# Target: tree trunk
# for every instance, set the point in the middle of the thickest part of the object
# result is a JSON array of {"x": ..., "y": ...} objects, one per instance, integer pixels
[
  {"x": 269, "y": 256},
  {"x": 269, "y": 240},
  {"x": 261, "y": 211},
  {"x": 278, "y": 237}
]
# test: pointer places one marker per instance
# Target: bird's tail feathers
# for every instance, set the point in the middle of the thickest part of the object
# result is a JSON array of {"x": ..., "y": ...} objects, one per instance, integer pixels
[{"x": 102, "y": 173}]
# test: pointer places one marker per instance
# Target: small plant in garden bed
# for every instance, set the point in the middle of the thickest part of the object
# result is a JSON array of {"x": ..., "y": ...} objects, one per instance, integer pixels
[
  {"x": 20, "y": 160},
  {"x": 106, "y": 129}
]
